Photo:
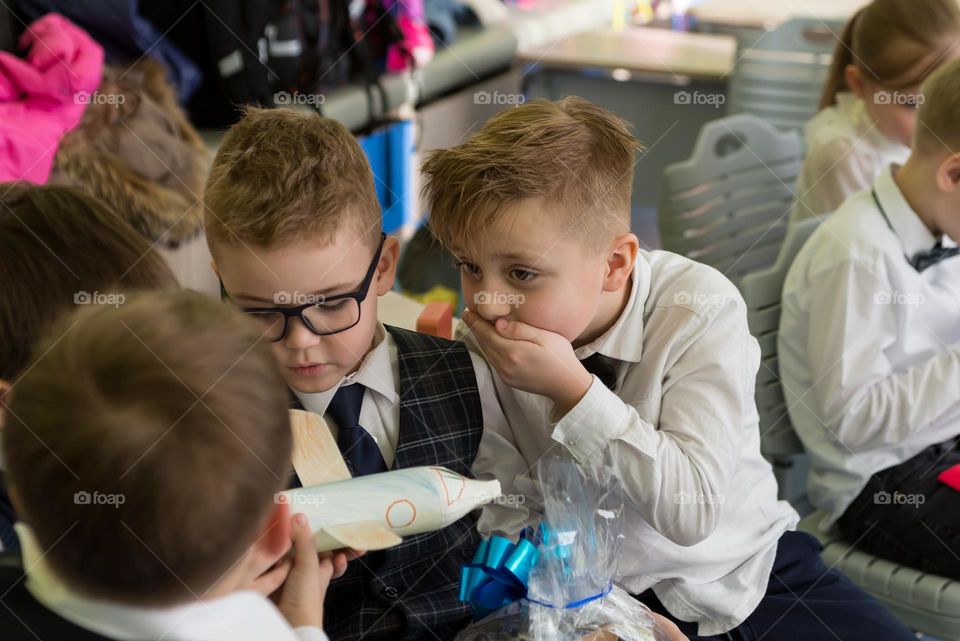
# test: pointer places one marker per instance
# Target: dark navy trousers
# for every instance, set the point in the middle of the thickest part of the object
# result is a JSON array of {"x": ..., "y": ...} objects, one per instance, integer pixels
[{"x": 805, "y": 601}]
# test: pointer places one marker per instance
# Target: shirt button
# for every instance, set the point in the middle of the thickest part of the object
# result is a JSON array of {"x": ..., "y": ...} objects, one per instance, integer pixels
[
  {"x": 390, "y": 592},
  {"x": 572, "y": 442}
]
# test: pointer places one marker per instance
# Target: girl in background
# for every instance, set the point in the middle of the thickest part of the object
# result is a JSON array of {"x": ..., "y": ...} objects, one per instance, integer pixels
[{"x": 869, "y": 106}]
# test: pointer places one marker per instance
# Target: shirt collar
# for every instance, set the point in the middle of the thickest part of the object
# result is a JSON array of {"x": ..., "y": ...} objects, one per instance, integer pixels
[
  {"x": 241, "y": 615},
  {"x": 375, "y": 373},
  {"x": 624, "y": 340},
  {"x": 913, "y": 234}
]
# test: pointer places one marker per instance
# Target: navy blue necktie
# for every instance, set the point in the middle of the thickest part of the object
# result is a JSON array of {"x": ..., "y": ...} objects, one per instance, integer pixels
[
  {"x": 926, "y": 259},
  {"x": 357, "y": 446},
  {"x": 603, "y": 367}
]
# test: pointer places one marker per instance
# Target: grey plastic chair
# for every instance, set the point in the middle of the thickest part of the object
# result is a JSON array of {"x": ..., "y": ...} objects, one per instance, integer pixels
[
  {"x": 727, "y": 206},
  {"x": 778, "y": 442},
  {"x": 779, "y": 74},
  {"x": 925, "y": 602}
]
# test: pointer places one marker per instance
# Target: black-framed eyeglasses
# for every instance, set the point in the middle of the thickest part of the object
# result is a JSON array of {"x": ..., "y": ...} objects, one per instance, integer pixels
[{"x": 322, "y": 315}]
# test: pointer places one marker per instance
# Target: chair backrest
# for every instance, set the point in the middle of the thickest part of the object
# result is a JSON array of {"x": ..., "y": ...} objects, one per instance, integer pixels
[
  {"x": 779, "y": 74},
  {"x": 762, "y": 292},
  {"x": 728, "y": 205}
]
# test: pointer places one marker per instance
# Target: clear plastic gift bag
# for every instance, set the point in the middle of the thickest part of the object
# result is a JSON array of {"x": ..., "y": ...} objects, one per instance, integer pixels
[{"x": 570, "y": 593}]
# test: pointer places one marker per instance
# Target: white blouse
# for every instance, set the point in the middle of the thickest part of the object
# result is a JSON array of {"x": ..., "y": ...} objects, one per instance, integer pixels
[{"x": 845, "y": 152}]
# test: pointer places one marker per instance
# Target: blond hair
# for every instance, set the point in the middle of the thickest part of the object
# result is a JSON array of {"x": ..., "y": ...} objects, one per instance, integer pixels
[
  {"x": 151, "y": 437},
  {"x": 938, "y": 127},
  {"x": 894, "y": 43},
  {"x": 571, "y": 153},
  {"x": 281, "y": 176}
]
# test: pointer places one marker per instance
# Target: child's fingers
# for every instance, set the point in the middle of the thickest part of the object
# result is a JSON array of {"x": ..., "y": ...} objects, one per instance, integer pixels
[
  {"x": 270, "y": 563},
  {"x": 304, "y": 551},
  {"x": 352, "y": 554},
  {"x": 491, "y": 343},
  {"x": 271, "y": 580},
  {"x": 481, "y": 327},
  {"x": 327, "y": 568},
  {"x": 334, "y": 562},
  {"x": 515, "y": 330},
  {"x": 470, "y": 317},
  {"x": 669, "y": 627},
  {"x": 303, "y": 592},
  {"x": 339, "y": 565}
]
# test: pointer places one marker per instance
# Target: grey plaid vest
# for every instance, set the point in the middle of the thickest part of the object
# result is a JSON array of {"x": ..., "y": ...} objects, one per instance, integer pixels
[{"x": 409, "y": 592}]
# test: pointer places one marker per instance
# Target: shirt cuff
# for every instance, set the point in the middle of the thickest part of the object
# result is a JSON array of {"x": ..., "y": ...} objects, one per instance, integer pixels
[
  {"x": 600, "y": 417},
  {"x": 310, "y": 633}
]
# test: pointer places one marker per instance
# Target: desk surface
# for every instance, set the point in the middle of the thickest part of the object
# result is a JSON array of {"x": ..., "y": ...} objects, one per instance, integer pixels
[
  {"x": 767, "y": 14},
  {"x": 642, "y": 50},
  {"x": 538, "y": 23}
]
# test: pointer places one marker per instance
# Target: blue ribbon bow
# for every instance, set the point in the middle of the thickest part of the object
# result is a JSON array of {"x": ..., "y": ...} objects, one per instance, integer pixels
[
  {"x": 500, "y": 572},
  {"x": 498, "y": 575}
]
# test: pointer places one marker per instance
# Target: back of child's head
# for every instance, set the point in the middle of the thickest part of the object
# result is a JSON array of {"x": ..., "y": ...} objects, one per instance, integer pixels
[
  {"x": 282, "y": 176},
  {"x": 894, "y": 43},
  {"x": 938, "y": 122},
  {"x": 145, "y": 444},
  {"x": 60, "y": 247},
  {"x": 576, "y": 156}
]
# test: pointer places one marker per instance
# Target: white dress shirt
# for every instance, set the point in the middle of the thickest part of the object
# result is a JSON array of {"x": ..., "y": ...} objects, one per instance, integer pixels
[
  {"x": 241, "y": 616},
  {"x": 845, "y": 152},
  {"x": 680, "y": 429},
  {"x": 379, "y": 372},
  {"x": 869, "y": 348}
]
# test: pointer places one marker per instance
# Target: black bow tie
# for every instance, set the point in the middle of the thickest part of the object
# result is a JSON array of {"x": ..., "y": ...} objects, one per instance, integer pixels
[
  {"x": 927, "y": 259},
  {"x": 603, "y": 367}
]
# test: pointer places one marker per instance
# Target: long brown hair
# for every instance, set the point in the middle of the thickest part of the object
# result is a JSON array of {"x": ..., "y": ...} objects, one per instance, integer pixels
[{"x": 894, "y": 43}]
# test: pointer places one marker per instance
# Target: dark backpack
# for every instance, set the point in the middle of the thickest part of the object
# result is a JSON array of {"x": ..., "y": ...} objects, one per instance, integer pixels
[{"x": 259, "y": 48}]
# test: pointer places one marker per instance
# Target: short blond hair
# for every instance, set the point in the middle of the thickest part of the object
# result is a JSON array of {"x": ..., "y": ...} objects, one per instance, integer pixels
[
  {"x": 938, "y": 126},
  {"x": 571, "y": 153},
  {"x": 281, "y": 176}
]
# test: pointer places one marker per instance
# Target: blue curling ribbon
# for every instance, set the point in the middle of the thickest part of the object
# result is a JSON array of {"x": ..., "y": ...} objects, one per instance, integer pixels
[
  {"x": 498, "y": 575},
  {"x": 579, "y": 603}
]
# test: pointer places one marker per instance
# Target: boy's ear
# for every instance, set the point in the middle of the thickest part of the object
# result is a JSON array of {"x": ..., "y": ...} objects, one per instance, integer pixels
[
  {"x": 387, "y": 267},
  {"x": 948, "y": 174},
  {"x": 620, "y": 262},
  {"x": 274, "y": 540},
  {"x": 854, "y": 80}
]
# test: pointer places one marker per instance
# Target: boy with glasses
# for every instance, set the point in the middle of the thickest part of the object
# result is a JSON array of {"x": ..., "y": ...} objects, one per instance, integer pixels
[{"x": 294, "y": 227}]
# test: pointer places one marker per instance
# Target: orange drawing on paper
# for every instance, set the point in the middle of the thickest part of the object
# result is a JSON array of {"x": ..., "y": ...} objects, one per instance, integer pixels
[
  {"x": 446, "y": 490},
  {"x": 396, "y": 511}
]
